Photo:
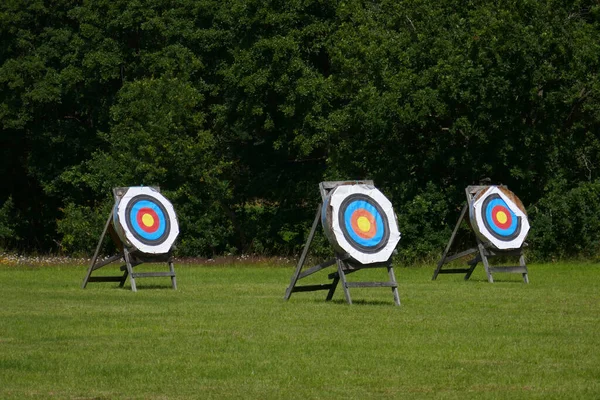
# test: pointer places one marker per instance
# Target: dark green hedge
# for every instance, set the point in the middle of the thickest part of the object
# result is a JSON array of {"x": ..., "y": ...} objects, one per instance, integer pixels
[{"x": 237, "y": 109}]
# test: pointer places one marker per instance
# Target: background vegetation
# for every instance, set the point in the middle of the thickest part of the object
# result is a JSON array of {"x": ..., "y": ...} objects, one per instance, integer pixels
[{"x": 238, "y": 108}]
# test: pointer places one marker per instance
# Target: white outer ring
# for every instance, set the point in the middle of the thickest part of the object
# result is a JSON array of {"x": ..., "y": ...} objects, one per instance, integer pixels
[
  {"x": 500, "y": 244},
  {"x": 161, "y": 248},
  {"x": 338, "y": 196}
]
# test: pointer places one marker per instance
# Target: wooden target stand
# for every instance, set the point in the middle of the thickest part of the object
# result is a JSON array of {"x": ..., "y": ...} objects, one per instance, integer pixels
[
  {"x": 131, "y": 257},
  {"x": 343, "y": 262},
  {"x": 483, "y": 251}
]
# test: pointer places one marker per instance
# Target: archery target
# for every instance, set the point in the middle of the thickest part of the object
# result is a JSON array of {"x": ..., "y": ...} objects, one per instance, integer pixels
[
  {"x": 499, "y": 217},
  {"x": 146, "y": 219},
  {"x": 360, "y": 220}
]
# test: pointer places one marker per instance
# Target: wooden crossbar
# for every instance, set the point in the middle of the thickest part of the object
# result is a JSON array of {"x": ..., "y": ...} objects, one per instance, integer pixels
[
  {"x": 151, "y": 274},
  {"x": 316, "y": 268},
  {"x": 107, "y": 261},
  {"x": 371, "y": 284}
]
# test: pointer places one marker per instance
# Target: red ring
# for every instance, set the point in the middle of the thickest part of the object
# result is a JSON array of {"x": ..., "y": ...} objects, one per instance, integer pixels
[
  {"x": 361, "y": 212},
  {"x": 508, "y": 214},
  {"x": 143, "y": 211}
]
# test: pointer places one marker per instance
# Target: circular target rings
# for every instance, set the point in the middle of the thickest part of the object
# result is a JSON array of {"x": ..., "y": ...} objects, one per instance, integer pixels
[
  {"x": 360, "y": 221},
  {"x": 498, "y": 217},
  {"x": 364, "y": 223},
  {"x": 147, "y": 220}
]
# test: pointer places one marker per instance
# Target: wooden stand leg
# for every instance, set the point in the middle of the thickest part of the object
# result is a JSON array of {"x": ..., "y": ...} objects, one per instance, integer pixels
[
  {"x": 334, "y": 284},
  {"x": 485, "y": 262},
  {"x": 93, "y": 263},
  {"x": 124, "y": 278},
  {"x": 445, "y": 254},
  {"x": 395, "y": 287},
  {"x": 342, "y": 275},
  {"x": 522, "y": 264},
  {"x": 129, "y": 270},
  {"x": 485, "y": 255},
  {"x": 470, "y": 271},
  {"x": 296, "y": 274},
  {"x": 172, "y": 269}
]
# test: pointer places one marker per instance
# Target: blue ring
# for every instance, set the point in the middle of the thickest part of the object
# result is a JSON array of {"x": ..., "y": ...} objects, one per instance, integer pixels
[
  {"x": 138, "y": 229},
  {"x": 488, "y": 214},
  {"x": 368, "y": 207}
]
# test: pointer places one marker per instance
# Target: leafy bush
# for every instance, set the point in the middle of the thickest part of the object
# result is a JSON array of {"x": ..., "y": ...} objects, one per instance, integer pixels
[
  {"x": 80, "y": 229},
  {"x": 425, "y": 225},
  {"x": 237, "y": 109},
  {"x": 7, "y": 219},
  {"x": 566, "y": 223}
]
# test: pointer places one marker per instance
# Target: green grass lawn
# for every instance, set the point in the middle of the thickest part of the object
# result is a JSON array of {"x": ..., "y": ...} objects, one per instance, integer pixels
[{"x": 227, "y": 333}]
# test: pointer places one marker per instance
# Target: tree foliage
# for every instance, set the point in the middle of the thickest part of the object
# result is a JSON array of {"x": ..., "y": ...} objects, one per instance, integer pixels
[{"x": 238, "y": 108}]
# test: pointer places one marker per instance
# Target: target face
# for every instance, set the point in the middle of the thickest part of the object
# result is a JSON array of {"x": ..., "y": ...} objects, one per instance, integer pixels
[
  {"x": 147, "y": 220},
  {"x": 499, "y": 217},
  {"x": 365, "y": 225},
  {"x": 360, "y": 220}
]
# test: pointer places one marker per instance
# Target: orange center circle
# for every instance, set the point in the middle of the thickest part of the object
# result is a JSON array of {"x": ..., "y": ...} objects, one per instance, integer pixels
[{"x": 363, "y": 223}]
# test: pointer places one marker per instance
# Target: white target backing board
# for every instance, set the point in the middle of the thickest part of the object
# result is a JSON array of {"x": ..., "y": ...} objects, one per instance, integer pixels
[
  {"x": 360, "y": 221},
  {"x": 145, "y": 219},
  {"x": 499, "y": 217}
]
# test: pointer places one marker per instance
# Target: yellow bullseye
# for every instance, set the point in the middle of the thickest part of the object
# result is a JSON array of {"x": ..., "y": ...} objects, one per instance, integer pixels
[
  {"x": 502, "y": 217},
  {"x": 148, "y": 220},
  {"x": 363, "y": 224}
]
